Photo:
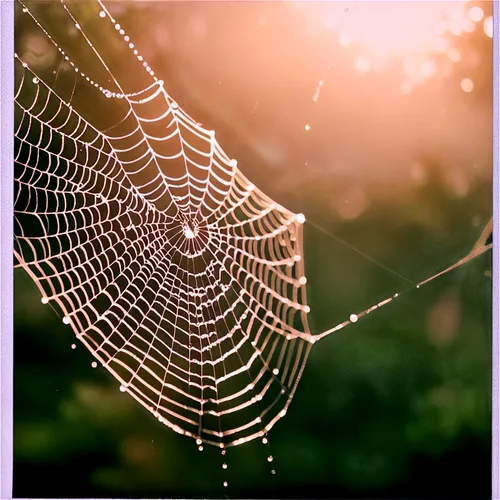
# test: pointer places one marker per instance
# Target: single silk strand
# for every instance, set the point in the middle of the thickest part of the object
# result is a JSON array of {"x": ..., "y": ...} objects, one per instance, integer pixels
[{"x": 476, "y": 251}]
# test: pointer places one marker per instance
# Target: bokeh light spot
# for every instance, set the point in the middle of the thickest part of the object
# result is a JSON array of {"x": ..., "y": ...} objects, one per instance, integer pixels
[
  {"x": 476, "y": 14},
  {"x": 467, "y": 85},
  {"x": 352, "y": 203},
  {"x": 488, "y": 26},
  {"x": 363, "y": 65},
  {"x": 345, "y": 40},
  {"x": 454, "y": 55},
  {"x": 427, "y": 69}
]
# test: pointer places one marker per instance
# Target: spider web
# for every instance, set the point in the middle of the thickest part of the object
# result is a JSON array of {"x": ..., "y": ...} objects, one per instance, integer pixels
[{"x": 183, "y": 279}]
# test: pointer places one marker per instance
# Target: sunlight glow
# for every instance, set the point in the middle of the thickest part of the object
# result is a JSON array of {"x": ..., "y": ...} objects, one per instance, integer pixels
[
  {"x": 411, "y": 32},
  {"x": 402, "y": 27}
]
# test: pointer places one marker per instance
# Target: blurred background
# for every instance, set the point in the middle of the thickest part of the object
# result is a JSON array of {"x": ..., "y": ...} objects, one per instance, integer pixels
[{"x": 374, "y": 119}]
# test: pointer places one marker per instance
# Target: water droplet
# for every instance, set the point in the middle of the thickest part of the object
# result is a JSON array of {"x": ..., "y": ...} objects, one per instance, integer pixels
[
  {"x": 225, "y": 484},
  {"x": 273, "y": 472},
  {"x": 94, "y": 364},
  {"x": 200, "y": 448},
  {"x": 102, "y": 14},
  {"x": 35, "y": 80},
  {"x": 353, "y": 318},
  {"x": 198, "y": 441},
  {"x": 223, "y": 452},
  {"x": 73, "y": 346},
  {"x": 25, "y": 10},
  {"x": 224, "y": 466},
  {"x": 45, "y": 300},
  {"x": 270, "y": 458},
  {"x": 123, "y": 388},
  {"x": 77, "y": 26},
  {"x": 264, "y": 441},
  {"x": 275, "y": 371},
  {"x": 307, "y": 127},
  {"x": 300, "y": 218},
  {"x": 66, "y": 320}
]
